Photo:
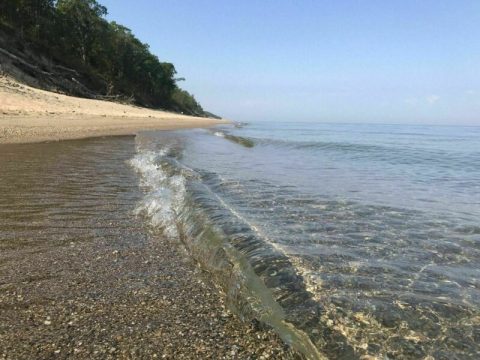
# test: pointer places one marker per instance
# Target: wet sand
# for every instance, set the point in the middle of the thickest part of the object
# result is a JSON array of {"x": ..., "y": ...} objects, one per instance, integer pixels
[
  {"x": 96, "y": 301},
  {"x": 32, "y": 115},
  {"x": 82, "y": 277}
]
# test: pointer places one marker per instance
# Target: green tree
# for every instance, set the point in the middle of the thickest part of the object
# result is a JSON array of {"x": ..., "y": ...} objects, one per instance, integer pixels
[
  {"x": 76, "y": 33},
  {"x": 82, "y": 22},
  {"x": 32, "y": 18}
]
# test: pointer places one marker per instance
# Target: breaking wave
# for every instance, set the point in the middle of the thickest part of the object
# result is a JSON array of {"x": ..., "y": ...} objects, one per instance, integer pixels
[
  {"x": 258, "y": 279},
  {"x": 334, "y": 278}
]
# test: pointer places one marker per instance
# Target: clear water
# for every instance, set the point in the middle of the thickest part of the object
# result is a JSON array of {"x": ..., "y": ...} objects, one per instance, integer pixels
[{"x": 351, "y": 240}]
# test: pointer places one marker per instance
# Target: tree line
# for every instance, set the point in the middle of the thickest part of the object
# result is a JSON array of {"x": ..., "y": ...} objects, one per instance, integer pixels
[{"x": 76, "y": 33}]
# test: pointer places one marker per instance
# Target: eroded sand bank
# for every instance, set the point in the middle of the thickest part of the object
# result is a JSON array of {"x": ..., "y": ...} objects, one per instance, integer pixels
[{"x": 32, "y": 115}]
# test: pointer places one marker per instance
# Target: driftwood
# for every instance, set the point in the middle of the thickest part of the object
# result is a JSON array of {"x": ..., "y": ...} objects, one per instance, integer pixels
[
  {"x": 24, "y": 64},
  {"x": 59, "y": 78}
]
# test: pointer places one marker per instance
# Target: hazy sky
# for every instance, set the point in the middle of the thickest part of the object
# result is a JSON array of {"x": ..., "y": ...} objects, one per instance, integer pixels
[{"x": 414, "y": 61}]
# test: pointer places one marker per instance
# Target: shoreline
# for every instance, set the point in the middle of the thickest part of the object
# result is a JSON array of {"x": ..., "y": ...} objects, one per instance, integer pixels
[
  {"x": 41, "y": 128},
  {"x": 31, "y": 115},
  {"x": 83, "y": 277},
  {"x": 138, "y": 296}
]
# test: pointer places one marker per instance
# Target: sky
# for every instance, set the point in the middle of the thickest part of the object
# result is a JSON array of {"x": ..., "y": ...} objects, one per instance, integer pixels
[{"x": 396, "y": 61}]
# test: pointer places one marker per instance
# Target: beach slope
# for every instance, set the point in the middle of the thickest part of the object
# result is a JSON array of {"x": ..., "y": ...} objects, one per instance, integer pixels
[{"x": 32, "y": 115}]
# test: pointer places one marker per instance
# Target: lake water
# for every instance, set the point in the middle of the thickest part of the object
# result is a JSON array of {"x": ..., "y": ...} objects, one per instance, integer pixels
[{"x": 350, "y": 240}]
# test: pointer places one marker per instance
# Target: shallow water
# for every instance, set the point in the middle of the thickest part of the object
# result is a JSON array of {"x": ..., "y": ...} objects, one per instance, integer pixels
[
  {"x": 55, "y": 193},
  {"x": 81, "y": 276},
  {"x": 350, "y": 240}
]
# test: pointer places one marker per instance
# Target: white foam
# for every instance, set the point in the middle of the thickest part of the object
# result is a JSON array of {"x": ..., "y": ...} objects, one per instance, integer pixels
[{"x": 164, "y": 193}]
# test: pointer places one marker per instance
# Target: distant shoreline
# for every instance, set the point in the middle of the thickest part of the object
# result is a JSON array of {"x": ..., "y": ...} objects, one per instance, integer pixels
[{"x": 32, "y": 115}]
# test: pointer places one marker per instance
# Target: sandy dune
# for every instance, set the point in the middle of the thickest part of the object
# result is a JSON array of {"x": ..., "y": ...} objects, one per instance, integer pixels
[{"x": 32, "y": 115}]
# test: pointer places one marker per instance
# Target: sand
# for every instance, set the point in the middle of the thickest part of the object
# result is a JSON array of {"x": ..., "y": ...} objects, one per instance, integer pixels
[
  {"x": 93, "y": 284},
  {"x": 83, "y": 277},
  {"x": 32, "y": 115}
]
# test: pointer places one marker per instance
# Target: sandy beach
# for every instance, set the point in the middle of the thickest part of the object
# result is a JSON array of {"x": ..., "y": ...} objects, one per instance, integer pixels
[
  {"x": 81, "y": 277},
  {"x": 31, "y": 115},
  {"x": 74, "y": 286},
  {"x": 85, "y": 279},
  {"x": 180, "y": 181}
]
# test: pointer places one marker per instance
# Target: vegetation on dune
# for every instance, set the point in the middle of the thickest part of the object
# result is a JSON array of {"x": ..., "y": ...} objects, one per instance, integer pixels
[{"x": 76, "y": 34}]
